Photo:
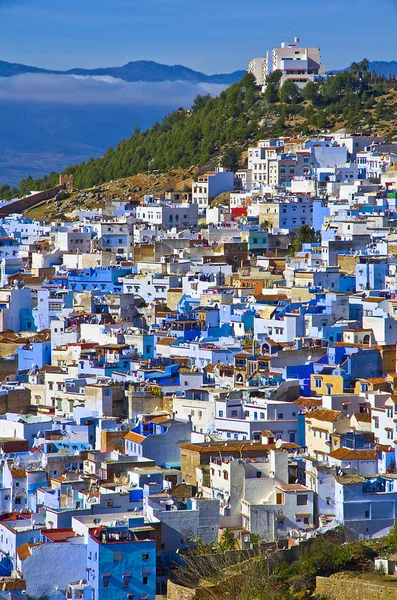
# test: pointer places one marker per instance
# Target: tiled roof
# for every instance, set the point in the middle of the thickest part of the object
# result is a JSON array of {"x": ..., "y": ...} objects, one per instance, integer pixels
[
  {"x": 292, "y": 487},
  {"x": 134, "y": 437},
  {"x": 307, "y": 401},
  {"x": 18, "y": 473},
  {"x": 24, "y": 551},
  {"x": 383, "y": 448},
  {"x": 224, "y": 447},
  {"x": 159, "y": 419},
  {"x": 363, "y": 417},
  {"x": 59, "y": 535},
  {"x": 165, "y": 341},
  {"x": 349, "y": 454},
  {"x": 374, "y": 380},
  {"x": 324, "y": 414}
]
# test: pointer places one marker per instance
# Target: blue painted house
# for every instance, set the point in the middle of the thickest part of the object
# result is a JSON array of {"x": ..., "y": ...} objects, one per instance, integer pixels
[
  {"x": 105, "y": 280},
  {"x": 121, "y": 560}
]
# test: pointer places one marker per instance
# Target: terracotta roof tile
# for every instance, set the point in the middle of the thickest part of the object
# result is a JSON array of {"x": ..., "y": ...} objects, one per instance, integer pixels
[
  {"x": 363, "y": 417},
  {"x": 307, "y": 401},
  {"x": 134, "y": 437},
  {"x": 18, "y": 473},
  {"x": 24, "y": 551},
  {"x": 165, "y": 341},
  {"x": 383, "y": 448},
  {"x": 324, "y": 414},
  {"x": 349, "y": 454}
]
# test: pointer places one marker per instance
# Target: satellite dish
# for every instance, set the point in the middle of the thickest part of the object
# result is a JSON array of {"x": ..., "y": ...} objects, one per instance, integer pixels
[{"x": 279, "y": 444}]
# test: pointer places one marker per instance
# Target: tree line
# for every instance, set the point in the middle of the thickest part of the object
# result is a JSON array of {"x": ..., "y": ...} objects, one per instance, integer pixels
[{"x": 226, "y": 124}]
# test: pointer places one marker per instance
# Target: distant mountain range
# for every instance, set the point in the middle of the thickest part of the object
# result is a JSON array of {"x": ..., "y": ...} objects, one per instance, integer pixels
[
  {"x": 148, "y": 70},
  {"x": 44, "y": 130},
  {"x": 384, "y": 67},
  {"x": 139, "y": 70},
  {"x": 381, "y": 67}
]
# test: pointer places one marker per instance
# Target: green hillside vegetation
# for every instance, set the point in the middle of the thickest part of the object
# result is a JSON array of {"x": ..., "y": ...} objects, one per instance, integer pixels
[{"x": 223, "y": 126}]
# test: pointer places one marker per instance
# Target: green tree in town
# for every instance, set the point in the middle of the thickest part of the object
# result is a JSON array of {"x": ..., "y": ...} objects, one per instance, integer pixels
[
  {"x": 272, "y": 87},
  {"x": 289, "y": 92},
  {"x": 305, "y": 235},
  {"x": 309, "y": 92},
  {"x": 227, "y": 541},
  {"x": 231, "y": 158}
]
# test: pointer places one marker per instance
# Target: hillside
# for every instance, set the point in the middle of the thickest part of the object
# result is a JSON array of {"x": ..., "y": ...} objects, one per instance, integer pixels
[
  {"x": 139, "y": 70},
  {"x": 357, "y": 99},
  {"x": 129, "y": 188}
]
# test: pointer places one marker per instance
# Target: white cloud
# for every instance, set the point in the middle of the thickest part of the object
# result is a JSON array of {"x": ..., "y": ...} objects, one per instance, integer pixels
[{"x": 80, "y": 90}]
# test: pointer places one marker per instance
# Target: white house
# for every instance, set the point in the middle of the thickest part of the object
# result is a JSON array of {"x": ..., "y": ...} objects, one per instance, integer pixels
[
  {"x": 168, "y": 215},
  {"x": 211, "y": 184}
]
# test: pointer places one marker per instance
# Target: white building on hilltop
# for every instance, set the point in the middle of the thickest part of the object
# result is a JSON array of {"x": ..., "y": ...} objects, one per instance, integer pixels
[
  {"x": 211, "y": 184},
  {"x": 297, "y": 64}
]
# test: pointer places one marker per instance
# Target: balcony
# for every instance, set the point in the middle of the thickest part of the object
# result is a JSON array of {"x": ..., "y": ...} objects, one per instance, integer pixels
[{"x": 295, "y": 65}]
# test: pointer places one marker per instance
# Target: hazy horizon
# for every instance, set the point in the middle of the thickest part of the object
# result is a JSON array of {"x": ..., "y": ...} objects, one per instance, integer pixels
[{"x": 206, "y": 36}]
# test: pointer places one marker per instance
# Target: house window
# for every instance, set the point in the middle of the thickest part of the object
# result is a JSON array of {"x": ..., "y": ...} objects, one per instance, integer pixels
[
  {"x": 366, "y": 516},
  {"x": 117, "y": 557},
  {"x": 234, "y": 413},
  {"x": 144, "y": 580},
  {"x": 328, "y": 388},
  {"x": 145, "y": 556},
  {"x": 106, "y": 580},
  {"x": 126, "y": 581},
  {"x": 317, "y": 382},
  {"x": 110, "y": 504},
  {"x": 376, "y": 422},
  {"x": 301, "y": 500},
  {"x": 389, "y": 435}
]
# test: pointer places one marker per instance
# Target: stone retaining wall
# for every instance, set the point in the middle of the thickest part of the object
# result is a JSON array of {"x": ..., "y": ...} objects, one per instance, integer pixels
[{"x": 330, "y": 588}]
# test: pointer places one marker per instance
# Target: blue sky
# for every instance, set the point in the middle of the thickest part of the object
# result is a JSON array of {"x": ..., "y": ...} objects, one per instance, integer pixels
[{"x": 208, "y": 35}]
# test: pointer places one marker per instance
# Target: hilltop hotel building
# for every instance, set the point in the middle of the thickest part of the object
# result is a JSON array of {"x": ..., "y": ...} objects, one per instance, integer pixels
[{"x": 297, "y": 64}]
